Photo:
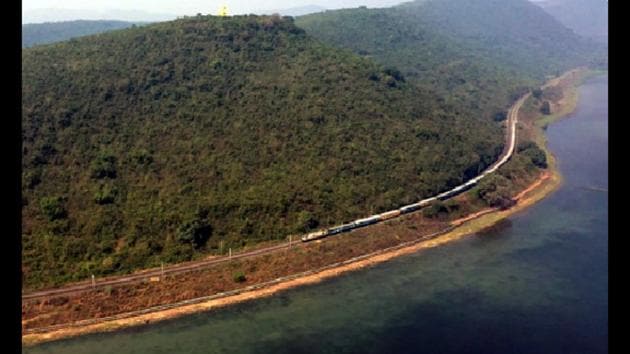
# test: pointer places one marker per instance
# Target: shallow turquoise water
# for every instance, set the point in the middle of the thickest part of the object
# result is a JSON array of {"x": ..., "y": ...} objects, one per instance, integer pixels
[{"x": 538, "y": 283}]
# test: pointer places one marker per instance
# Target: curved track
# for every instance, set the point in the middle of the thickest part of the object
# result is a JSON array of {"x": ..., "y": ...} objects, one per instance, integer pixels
[{"x": 181, "y": 268}]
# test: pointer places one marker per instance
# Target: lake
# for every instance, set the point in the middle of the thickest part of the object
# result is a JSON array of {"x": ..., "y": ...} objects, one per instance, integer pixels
[{"x": 535, "y": 283}]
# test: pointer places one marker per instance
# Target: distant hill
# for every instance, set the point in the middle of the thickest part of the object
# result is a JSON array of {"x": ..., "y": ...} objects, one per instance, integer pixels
[
  {"x": 43, "y": 15},
  {"x": 43, "y": 33},
  {"x": 295, "y": 11},
  {"x": 588, "y": 18},
  {"x": 162, "y": 142},
  {"x": 476, "y": 54}
]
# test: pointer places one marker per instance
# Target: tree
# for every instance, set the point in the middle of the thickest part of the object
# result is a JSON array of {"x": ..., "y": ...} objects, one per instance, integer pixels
[
  {"x": 546, "y": 108},
  {"x": 495, "y": 192},
  {"x": 537, "y": 93},
  {"x": 306, "y": 221},
  {"x": 536, "y": 154},
  {"x": 435, "y": 210},
  {"x": 53, "y": 208},
  {"x": 105, "y": 195},
  {"x": 31, "y": 179},
  {"x": 522, "y": 146},
  {"x": 142, "y": 157},
  {"x": 395, "y": 73},
  {"x": 104, "y": 166},
  {"x": 502, "y": 202},
  {"x": 196, "y": 232},
  {"x": 501, "y": 116}
]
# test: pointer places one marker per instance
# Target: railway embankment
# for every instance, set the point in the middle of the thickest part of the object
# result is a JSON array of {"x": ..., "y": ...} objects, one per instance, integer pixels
[{"x": 115, "y": 308}]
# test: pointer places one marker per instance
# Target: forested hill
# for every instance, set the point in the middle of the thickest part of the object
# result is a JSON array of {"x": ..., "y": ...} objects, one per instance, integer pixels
[
  {"x": 476, "y": 54},
  {"x": 155, "y": 143},
  {"x": 515, "y": 33},
  {"x": 43, "y": 33},
  {"x": 588, "y": 18}
]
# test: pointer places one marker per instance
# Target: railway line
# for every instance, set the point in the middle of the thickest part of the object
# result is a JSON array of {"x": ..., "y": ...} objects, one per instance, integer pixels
[
  {"x": 198, "y": 265},
  {"x": 508, "y": 151}
]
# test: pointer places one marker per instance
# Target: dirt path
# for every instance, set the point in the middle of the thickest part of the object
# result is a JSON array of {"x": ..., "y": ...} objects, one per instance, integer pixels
[{"x": 542, "y": 178}]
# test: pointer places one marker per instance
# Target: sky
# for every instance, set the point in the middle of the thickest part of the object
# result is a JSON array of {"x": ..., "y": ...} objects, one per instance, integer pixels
[
  {"x": 37, "y": 11},
  {"x": 190, "y": 7}
]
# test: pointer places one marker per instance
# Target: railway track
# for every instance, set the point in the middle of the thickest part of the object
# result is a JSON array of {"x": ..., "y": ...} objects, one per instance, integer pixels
[
  {"x": 139, "y": 277},
  {"x": 198, "y": 265}
]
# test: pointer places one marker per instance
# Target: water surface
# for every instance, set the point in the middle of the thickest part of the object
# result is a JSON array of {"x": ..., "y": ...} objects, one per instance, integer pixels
[{"x": 536, "y": 283}]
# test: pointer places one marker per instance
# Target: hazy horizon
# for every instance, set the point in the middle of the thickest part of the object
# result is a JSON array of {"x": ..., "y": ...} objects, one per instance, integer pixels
[{"x": 37, "y": 11}]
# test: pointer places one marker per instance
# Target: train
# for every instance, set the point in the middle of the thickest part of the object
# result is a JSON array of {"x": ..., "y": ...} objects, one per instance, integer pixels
[
  {"x": 393, "y": 213},
  {"x": 379, "y": 217},
  {"x": 423, "y": 203}
]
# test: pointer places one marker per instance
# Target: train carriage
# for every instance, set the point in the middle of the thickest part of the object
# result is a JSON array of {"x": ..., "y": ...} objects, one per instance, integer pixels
[
  {"x": 427, "y": 201},
  {"x": 389, "y": 214},
  {"x": 409, "y": 208},
  {"x": 340, "y": 229},
  {"x": 367, "y": 221}
]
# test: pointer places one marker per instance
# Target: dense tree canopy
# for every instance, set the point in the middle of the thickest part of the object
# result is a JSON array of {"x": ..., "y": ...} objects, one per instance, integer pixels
[
  {"x": 166, "y": 141},
  {"x": 128, "y": 135},
  {"x": 476, "y": 55}
]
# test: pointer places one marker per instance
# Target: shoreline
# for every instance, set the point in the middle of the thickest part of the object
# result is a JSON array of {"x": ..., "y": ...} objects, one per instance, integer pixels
[
  {"x": 546, "y": 183},
  {"x": 550, "y": 182}
]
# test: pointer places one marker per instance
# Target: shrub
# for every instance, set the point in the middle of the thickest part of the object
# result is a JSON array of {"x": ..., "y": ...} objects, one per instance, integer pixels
[
  {"x": 105, "y": 195},
  {"x": 501, "y": 116},
  {"x": 196, "y": 232},
  {"x": 525, "y": 145},
  {"x": 502, "y": 202},
  {"x": 494, "y": 191},
  {"x": 538, "y": 157},
  {"x": 30, "y": 179},
  {"x": 239, "y": 277},
  {"x": 537, "y": 93},
  {"x": 104, "y": 166},
  {"x": 395, "y": 73},
  {"x": 546, "y": 108},
  {"x": 436, "y": 209},
  {"x": 552, "y": 93},
  {"x": 452, "y": 205},
  {"x": 59, "y": 226},
  {"x": 536, "y": 154},
  {"x": 53, "y": 208},
  {"x": 43, "y": 155},
  {"x": 142, "y": 157},
  {"x": 306, "y": 221}
]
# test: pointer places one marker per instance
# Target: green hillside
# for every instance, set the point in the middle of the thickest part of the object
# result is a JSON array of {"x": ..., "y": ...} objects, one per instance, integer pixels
[
  {"x": 162, "y": 142},
  {"x": 477, "y": 55}
]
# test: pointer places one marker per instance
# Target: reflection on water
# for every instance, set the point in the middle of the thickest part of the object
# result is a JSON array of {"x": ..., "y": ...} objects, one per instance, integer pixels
[{"x": 536, "y": 283}]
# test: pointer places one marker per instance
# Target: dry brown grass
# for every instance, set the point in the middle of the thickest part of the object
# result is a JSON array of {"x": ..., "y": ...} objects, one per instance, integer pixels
[{"x": 301, "y": 258}]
